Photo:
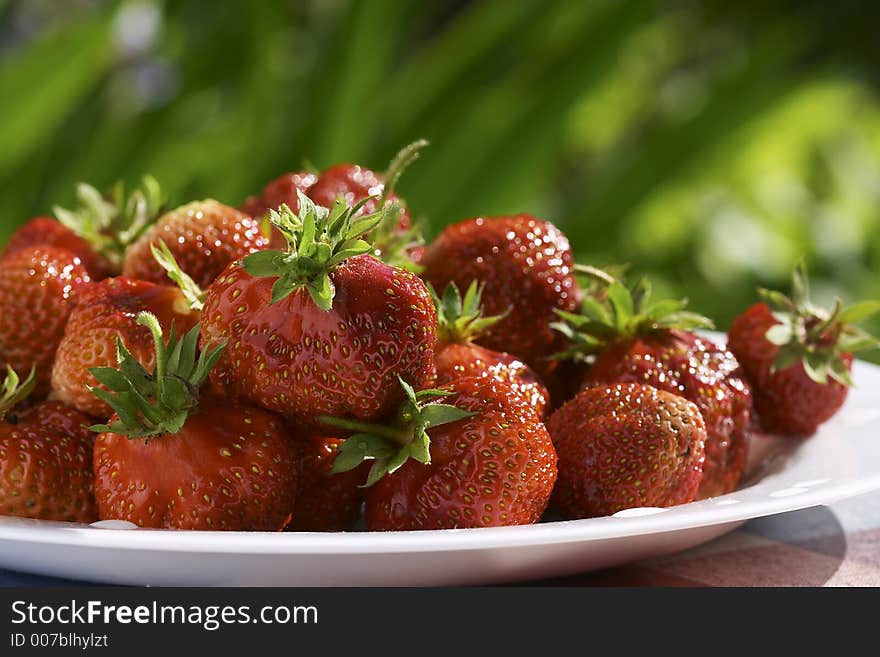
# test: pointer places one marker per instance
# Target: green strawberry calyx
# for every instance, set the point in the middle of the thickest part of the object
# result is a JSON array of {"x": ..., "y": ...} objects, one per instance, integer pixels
[
  {"x": 318, "y": 241},
  {"x": 14, "y": 390},
  {"x": 112, "y": 222},
  {"x": 195, "y": 296},
  {"x": 460, "y": 320},
  {"x": 405, "y": 437},
  {"x": 611, "y": 312},
  {"x": 814, "y": 336},
  {"x": 157, "y": 403}
]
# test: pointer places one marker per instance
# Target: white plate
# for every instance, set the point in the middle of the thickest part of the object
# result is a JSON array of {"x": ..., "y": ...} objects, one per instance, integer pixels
[{"x": 842, "y": 460}]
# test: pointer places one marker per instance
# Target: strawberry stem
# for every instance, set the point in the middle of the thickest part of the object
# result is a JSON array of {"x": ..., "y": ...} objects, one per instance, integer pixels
[{"x": 399, "y": 436}]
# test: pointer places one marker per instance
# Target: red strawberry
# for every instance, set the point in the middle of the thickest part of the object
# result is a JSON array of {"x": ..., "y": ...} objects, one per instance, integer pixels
[
  {"x": 106, "y": 311},
  {"x": 639, "y": 341},
  {"x": 483, "y": 459},
  {"x": 38, "y": 287},
  {"x": 525, "y": 265},
  {"x": 204, "y": 238},
  {"x": 326, "y": 502},
  {"x": 46, "y": 231},
  {"x": 45, "y": 459},
  {"x": 626, "y": 445},
  {"x": 798, "y": 357},
  {"x": 459, "y": 322},
  {"x": 172, "y": 460},
  {"x": 320, "y": 330},
  {"x": 283, "y": 190},
  {"x": 353, "y": 184}
]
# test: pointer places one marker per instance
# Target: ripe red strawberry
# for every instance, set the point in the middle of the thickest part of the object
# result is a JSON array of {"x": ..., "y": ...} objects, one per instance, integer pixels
[
  {"x": 626, "y": 445},
  {"x": 635, "y": 340},
  {"x": 283, "y": 190},
  {"x": 105, "y": 311},
  {"x": 325, "y": 501},
  {"x": 798, "y": 357},
  {"x": 525, "y": 265},
  {"x": 170, "y": 459},
  {"x": 204, "y": 237},
  {"x": 38, "y": 287},
  {"x": 45, "y": 458},
  {"x": 46, "y": 231},
  {"x": 353, "y": 184},
  {"x": 321, "y": 329},
  {"x": 482, "y": 459},
  {"x": 459, "y": 322}
]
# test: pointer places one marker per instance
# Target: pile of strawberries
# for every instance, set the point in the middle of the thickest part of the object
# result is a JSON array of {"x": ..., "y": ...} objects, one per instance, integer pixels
[{"x": 307, "y": 359}]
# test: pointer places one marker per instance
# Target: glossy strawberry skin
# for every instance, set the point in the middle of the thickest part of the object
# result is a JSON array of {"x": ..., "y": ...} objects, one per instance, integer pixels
[
  {"x": 626, "y": 445},
  {"x": 204, "y": 237},
  {"x": 46, "y": 231},
  {"x": 458, "y": 360},
  {"x": 787, "y": 401},
  {"x": 526, "y": 266},
  {"x": 297, "y": 360},
  {"x": 685, "y": 364},
  {"x": 495, "y": 468},
  {"x": 353, "y": 183},
  {"x": 231, "y": 467},
  {"x": 281, "y": 190},
  {"x": 46, "y": 464},
  {"x": 38, "y": 288},
  {"x": 326, "y": 502},
  {"x": 105, "y": 311}
]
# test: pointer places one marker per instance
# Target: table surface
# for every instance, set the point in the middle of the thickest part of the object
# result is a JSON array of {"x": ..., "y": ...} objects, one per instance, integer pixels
[{"x": 837, "y": 545}]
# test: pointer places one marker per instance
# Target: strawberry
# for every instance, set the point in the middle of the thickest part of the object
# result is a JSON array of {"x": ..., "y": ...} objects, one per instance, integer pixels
[
  {"x": 45, "y": 458},
  {"x": 325, "y": 501},
  {"x": 482, "y": 460},
  {"x": 320, "y": 329},
  {"x": 459, "y": 322},
  {"x": 38, "y": 287},
  {"x": 635, "y": 340},
  {"x": 283, "y": 190},
  {"x": 798, "y": 357},
  {"x": 171, "y": 459},
  {"x": 626, "y": 445},
  {"x": 204, "y": 237},
  {"x": 525, "y": 265},
  {"x": 395, "y": 240},
  {"x": 46, "y": 231},
  {"x": 106, "y": 310}
]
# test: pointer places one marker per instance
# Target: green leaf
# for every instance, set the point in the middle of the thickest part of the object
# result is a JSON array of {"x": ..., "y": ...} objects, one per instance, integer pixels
[
  {"x": 859, "y": 311},
  {"x": 265, "y": 264},
  {"x": 193, "y": 294},
  {"x": 322, "y": 292},
  {"x": 840, "y": 372},
  {"x": 787, "y": 356},
  {"x": 433, "y": 415},
  {"x": 621, "y": 304},
  {"x": 800, "y": 286},
  {"x": 591, "y": 308},
  {"x": 14, "y": 391},
  {"x": 815, "y": 365},
  {"x": 420, "y": 448}
]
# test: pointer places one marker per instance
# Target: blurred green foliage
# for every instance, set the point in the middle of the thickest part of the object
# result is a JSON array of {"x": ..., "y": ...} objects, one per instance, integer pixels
[{"x": 709, "y": 144}]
